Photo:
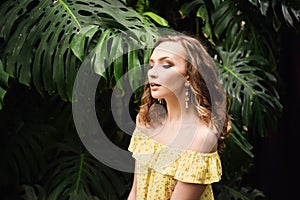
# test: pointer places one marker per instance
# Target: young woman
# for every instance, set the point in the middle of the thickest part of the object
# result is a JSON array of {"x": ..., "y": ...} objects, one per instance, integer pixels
[{"x": 181, "y": 125}]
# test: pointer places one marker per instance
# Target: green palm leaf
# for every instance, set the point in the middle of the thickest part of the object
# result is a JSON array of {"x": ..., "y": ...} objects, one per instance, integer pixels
[
  {"x": 80, "y": 176},
  {"x": 252, "y": 89},
  {"x": 36, "y": 192},
  {"x": 126, "y": 52},
  {"x": 290, "y": 10},
  {"x": 247, "y": 61},
  {"x": 23, "y": 149},
  {"x": 37, "y": 37},
  {"x": 3, "y": 84}
]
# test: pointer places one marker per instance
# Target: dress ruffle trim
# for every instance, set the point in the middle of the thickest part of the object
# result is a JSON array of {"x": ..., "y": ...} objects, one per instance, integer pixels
[{"x": 184, "y": 165}]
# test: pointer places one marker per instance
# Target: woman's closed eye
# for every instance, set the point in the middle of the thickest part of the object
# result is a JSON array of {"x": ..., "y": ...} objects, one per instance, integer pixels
[
  {"x": 166, "y": 66},
  {"x": 150, "y": 66}
]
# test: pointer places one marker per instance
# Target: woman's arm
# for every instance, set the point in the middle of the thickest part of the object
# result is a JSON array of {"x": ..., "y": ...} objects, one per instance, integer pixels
[
  {"x": 132, "y": 194},
  {"x": 205, "y": 142},
  {"x": 187, "y": 191}
]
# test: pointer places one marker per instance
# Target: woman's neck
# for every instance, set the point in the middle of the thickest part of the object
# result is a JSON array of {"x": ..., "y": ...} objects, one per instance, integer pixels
[{"x": 177, "y": 111}]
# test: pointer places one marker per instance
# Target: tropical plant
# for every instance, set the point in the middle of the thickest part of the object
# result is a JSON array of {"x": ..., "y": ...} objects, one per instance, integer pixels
[
  {"x": 45, "y": 159},
  {"x": 45, "y": 43},
  {"x": 3, "y": 83},
  {"x": 245, "y": 43}
]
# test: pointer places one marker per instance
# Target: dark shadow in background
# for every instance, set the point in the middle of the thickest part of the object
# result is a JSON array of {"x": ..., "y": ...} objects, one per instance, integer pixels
[{"x": 277, "y": 155}]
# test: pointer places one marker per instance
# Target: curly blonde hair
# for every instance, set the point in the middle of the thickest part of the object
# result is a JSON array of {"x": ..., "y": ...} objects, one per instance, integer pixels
[{"x": 207, "y": 94}]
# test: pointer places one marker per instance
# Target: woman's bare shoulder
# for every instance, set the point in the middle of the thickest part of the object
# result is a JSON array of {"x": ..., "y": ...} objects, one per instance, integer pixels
[{"x": 205, "y": 140}]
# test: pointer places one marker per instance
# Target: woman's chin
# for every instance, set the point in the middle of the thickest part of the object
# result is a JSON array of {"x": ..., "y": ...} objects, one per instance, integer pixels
[{"x": 156, "y": 96}]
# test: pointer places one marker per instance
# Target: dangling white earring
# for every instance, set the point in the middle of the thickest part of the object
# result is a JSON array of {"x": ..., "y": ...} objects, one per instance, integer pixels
[
  {"x": 187, "y": 95},
  {"x": 160, "y": 101}
]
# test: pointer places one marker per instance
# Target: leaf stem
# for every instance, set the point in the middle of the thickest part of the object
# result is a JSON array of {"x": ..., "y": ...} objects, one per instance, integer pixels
[
  {"x": 70, "y": 12},
  {"x": 241, "y": 80},
  {"x": 79, "y": 173}
]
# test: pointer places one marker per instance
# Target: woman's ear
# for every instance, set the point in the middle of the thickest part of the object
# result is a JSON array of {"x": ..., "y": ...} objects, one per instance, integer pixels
[
  {"x": 187, "y": 83},
  {"x": 187, "y": 78}
]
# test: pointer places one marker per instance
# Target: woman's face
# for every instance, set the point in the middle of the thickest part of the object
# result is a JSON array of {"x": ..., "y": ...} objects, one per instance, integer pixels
[{"x": 167, "y": 72}]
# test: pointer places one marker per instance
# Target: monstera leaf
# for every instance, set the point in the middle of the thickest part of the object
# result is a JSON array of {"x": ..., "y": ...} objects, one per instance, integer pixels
[
  {"x": 245, "y": 46},
  {"x": 3, "y": 84},
  {"x": 290, "y": 10},
  {"x": 80, "y": 176},
  {"x": 252, "y": 89},
  {"x": 37, "y": 37}
]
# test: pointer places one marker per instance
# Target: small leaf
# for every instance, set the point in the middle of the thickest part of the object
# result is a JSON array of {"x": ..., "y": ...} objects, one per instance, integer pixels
[
  {"x": 158, "y": 19},
  {"x": 186, "y": 8},
  {"x": 4, "y": 76},
  {"x": 264, "y": 5},
  {"x": 3, "y": 81},
  {"x": 83, "y": 39},
  {"x": 2, "y": 95}
]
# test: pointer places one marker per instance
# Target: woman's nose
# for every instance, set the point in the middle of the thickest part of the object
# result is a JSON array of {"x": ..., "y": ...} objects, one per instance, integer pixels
[{"x": 152, "y": 72}]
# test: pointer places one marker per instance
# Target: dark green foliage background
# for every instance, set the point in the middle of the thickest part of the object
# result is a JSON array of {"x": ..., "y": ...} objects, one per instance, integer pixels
[{"x": 42, "y": 46}]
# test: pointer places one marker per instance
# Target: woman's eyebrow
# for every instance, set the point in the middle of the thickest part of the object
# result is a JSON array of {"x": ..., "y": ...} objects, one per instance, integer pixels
[{"x": 161, "y": 59}]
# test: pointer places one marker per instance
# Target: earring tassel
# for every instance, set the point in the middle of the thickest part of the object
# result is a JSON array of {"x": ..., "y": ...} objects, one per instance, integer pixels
[{"x": 187, "y": 98}]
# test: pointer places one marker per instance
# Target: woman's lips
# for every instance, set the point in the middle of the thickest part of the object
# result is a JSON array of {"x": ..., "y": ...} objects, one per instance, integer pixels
[{"x": 154, "y": 86}]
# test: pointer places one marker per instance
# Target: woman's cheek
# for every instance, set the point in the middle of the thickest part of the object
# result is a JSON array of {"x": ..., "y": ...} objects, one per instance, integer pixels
[{"x": 173, "y": 81}]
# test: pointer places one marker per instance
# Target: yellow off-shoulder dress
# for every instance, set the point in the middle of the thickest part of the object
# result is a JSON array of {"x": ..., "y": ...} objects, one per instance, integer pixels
[{"x": 159, "y": 167}]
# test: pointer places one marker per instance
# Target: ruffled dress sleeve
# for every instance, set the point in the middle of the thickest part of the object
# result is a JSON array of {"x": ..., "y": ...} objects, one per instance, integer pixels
[
  {"x": 184, "y": 165},
  {"x": 202, "y": 168}
]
